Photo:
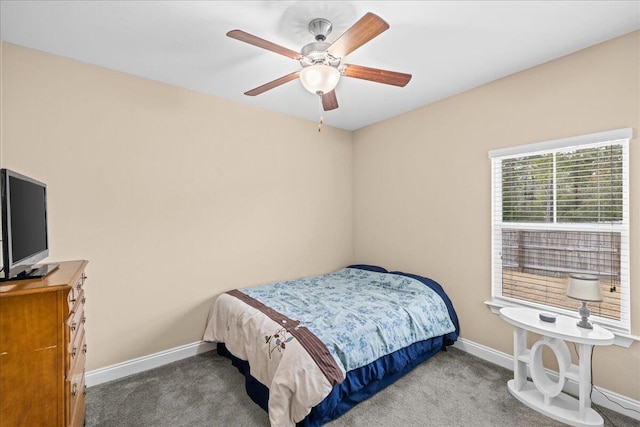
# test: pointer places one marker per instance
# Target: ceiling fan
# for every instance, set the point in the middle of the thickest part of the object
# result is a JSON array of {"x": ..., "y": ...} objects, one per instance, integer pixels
[{"x": 322, "y": 62}]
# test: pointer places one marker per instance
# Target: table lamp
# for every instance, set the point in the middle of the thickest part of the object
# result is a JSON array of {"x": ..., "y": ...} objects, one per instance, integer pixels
[{"x": 584, "y": 288}]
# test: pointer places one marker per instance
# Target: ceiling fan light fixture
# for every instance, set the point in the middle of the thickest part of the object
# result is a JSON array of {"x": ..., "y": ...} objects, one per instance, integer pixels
[{"x": 319, "y": 78}]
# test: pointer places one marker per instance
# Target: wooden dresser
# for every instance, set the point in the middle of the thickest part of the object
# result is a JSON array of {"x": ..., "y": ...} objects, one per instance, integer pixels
[{"x": 42, "y": 349}]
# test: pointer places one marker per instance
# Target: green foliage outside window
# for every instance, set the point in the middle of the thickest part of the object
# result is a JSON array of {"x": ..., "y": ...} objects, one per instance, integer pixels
[{"x": 587, "y": 187}]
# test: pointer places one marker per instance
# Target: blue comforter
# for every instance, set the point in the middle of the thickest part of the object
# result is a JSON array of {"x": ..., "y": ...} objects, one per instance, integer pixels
[{"x": 343, "y": 309}]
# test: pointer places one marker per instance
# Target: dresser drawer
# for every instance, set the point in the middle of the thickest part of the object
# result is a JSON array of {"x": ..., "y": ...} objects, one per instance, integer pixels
[
  {"x": 77, "y": 351},
  {"x": 75, "y": 394},
  {"x": 75, "y": 384},
  {"x": 76, "y": 290}
]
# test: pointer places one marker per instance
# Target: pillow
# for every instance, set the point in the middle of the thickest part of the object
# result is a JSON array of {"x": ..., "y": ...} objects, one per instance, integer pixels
[{"x": 368, "y": 267}]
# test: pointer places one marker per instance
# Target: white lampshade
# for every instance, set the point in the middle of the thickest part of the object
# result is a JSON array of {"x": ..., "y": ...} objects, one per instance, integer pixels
[
  {"x": 319, "y": 78},
  {"x": 584, "y": 287}
]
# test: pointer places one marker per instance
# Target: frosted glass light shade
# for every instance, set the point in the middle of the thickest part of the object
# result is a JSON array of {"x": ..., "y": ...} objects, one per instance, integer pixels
[
  {"x": 319, "y": 78},
  {"x": 584, "y": 287}
]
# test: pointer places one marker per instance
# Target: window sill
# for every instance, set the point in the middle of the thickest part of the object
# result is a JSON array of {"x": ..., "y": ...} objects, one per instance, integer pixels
[{"x": 622, "y": 339}]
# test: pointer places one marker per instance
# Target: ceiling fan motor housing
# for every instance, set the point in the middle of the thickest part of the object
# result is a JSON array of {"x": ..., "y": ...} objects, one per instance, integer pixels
[{"x": 320, "y": 28}]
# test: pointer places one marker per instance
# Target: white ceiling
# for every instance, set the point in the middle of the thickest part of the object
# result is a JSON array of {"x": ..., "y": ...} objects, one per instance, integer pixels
[{"x": 448, "y": 46}]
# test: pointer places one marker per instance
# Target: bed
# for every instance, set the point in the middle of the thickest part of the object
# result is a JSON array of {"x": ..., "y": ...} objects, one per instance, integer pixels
[{"x": 312, "y": 348}]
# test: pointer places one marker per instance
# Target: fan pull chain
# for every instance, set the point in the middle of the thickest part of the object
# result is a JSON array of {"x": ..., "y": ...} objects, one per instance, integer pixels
[{"x": 320, "y": 113}]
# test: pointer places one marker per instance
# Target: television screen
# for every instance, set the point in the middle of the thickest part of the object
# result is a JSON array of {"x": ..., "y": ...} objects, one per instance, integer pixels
[
  {"x": 24, "y": 226},
  {"x": 28, "y": 218}
]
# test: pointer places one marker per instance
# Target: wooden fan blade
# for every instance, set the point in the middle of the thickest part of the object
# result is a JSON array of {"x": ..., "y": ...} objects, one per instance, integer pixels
[
  {"x": 368, "y": 27},
  {"x": 329, "y": 101},
  {"x": 257, "y": 41},
  {"x": 376, "y": 75},
  {"x": 277, "y": 82}
]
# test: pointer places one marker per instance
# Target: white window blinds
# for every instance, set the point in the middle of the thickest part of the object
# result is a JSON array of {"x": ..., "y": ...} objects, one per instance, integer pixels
[{"x": 562, "y": 207}]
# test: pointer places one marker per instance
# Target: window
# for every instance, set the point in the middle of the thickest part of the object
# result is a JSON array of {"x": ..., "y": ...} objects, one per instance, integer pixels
[{"x": 562, "y": 207}]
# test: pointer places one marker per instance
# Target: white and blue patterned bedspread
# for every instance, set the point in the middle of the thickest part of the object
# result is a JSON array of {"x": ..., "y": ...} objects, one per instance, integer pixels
[{"x": 343, "y": 309}]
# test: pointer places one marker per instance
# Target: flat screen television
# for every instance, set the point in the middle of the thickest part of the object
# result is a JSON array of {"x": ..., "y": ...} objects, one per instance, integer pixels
[{"x": 25, "y": 239}]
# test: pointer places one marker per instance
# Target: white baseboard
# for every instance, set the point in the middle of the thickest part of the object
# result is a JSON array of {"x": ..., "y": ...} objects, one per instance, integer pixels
[
  {"x": 134, "y": 366},
  {"x": 603, "y": 397}
]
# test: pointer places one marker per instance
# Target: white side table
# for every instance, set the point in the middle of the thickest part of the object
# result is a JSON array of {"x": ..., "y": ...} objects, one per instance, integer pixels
[{"x": 543, "y": 394}]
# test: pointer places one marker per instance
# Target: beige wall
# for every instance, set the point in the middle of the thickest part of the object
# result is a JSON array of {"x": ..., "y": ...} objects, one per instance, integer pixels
[
  {"x": 172, "y": 196},
  {"x": 422, "y": 182}
]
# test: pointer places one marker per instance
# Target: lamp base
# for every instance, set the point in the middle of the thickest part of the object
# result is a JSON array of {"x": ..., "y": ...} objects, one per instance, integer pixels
[
  {"x": 584, "y": 323},
  {"x": 584, "y": 313}
]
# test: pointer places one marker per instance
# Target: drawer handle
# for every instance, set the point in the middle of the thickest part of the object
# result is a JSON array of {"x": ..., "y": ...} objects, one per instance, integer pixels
[
  {"x": 74, "y": 390},
  {"x": 84, "y": 391},
  {"x": 73, "y": 352},
  {"x": 84, "y": 349},
  {"x": 81, "y": 281},
  {"x": 73, "y": 327},
  {"x": 84, "y": 299},
  {"x": 84, "y": 320}
]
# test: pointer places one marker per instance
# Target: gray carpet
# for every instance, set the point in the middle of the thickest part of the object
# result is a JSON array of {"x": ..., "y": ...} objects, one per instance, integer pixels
[{"x": 451, "y": 389}]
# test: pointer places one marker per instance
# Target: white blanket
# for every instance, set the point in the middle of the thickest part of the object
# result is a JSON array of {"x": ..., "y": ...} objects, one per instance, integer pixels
[{"x": 296, "y": 383}]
